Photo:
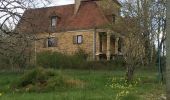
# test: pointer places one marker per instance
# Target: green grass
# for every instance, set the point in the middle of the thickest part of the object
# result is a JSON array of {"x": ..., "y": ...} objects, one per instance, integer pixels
[{"x": 95, "y": 87}]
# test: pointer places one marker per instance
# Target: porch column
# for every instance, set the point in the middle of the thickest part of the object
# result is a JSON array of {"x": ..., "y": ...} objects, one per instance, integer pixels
[
  {"x": 116, "y": 45},
  {"x": 108, "y": 46},
  {"x": 94, "y": 45}
]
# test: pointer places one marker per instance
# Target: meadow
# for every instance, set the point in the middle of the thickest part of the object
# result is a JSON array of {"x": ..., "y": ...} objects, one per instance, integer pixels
[{"x": 98, "y": 85}]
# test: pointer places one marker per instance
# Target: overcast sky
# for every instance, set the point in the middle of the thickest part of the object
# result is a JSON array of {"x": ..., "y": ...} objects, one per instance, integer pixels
[
  {"x": 61, "y": 2},
  {"x": 65, "y": 2}
]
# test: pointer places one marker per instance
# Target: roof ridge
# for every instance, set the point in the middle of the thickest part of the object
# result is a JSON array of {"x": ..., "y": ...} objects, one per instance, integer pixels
[{"x": 50, "y": 7}]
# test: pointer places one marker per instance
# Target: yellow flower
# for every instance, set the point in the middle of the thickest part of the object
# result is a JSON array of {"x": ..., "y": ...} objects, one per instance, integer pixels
[{"x": 0, "y": 94}]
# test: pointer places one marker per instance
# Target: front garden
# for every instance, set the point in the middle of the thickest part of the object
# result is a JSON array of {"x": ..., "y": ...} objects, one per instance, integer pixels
[{"x": 79, "y": 85}]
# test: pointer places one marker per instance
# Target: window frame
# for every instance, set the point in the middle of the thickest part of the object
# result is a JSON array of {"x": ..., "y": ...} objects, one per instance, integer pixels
[
  {"x": 76, "y": 39},
  {"x": 54, "y": 42},
  {"x": 53, "y": 21},
  {"x": 81, "y": 37}
]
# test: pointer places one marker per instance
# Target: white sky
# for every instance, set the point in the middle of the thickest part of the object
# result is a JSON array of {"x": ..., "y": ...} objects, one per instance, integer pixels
[
  {"x": 65, "y": 2},
  {"x": 61, "y": 2}
]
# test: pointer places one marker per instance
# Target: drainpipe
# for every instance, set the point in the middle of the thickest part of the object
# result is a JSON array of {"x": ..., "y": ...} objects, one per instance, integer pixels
[{"x": 94, "y": 45}]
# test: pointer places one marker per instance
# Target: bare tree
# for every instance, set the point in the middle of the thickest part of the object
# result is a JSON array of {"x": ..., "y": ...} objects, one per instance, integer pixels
[
  {"x": 14, "y": 45},
  {"x": 140, "y": 28},
  {"x": 168, "y": 49},
  {"x": 133, "y": 48}
]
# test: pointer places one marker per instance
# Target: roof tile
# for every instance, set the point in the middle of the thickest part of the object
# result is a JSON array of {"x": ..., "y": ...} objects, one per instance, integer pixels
[{"x": 38, "y": 20}]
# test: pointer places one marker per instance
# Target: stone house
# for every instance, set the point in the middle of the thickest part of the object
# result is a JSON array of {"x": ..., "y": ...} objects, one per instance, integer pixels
[{"x": 68, "y": 28}]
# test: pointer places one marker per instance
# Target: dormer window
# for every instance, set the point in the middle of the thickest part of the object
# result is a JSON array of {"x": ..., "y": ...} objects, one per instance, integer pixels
[{"x": 53, "y": 21}]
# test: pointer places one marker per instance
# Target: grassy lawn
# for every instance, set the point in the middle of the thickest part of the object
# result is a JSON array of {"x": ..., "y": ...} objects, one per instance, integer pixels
[{"x": 95, "y": 87}]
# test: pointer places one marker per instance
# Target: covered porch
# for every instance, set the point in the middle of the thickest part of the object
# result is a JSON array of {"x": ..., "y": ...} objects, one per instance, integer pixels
[{"x": 108, "y": 46}]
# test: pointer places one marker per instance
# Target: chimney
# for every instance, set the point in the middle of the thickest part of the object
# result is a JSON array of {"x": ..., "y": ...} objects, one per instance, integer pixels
[
  {"x": 77, "y": 6},
  {"x": 78, "y": 3}
]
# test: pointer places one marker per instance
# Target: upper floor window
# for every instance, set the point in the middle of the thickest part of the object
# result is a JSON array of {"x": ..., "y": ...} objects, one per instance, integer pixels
[
  {"x": 53, "y": 21},
  {"x": 78, "y": 39}
]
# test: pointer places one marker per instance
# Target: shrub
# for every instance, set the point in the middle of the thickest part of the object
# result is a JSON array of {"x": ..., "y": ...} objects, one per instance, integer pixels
[
  {"x": 58, "y": 60},
  {"x": 35, "y": 76},
  {"x": 76, "y": 61},
  {"x": 81, "y": 54},
  {"x": 119, "y": 61},
  {"x": 42, "y": 80},
  {"x": 107, "y": 65},
  {"x": 4, "y": 62}
]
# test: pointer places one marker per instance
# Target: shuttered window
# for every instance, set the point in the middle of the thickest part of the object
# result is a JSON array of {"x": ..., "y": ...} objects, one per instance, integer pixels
[{"x": 74, "y": 39}]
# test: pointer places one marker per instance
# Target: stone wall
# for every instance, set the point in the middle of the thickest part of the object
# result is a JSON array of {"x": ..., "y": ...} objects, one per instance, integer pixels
[{"x": 65, "y": 42}]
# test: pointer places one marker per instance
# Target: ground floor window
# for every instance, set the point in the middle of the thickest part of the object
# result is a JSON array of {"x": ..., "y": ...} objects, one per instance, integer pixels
[
  {"x": 78, "y": 39},
  {"x": 51, "y": 42}
]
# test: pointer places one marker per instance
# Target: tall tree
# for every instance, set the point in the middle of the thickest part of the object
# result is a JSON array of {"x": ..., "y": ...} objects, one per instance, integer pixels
[
  {"x": 14, "y": 45},
  {"x": 134, "y": 48},
  {"x": 168, "y": 53},
  {"x": 146, "y": 24}
]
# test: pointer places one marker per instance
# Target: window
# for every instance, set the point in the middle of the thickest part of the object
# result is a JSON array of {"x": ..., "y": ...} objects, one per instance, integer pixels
[
  {"x": 78, "y": 39},
  {"x": 52, "y": 42},
  {"x": 53, "y": 21}
]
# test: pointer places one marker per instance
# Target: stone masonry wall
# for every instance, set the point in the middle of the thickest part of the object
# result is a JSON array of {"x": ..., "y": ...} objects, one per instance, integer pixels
[{"x": 65, "y": 42}]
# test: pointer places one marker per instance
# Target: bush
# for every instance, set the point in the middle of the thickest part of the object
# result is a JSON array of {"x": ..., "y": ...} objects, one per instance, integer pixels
[
  {"x": 42, "y": 80},
  {"x": 36, "y": 75},
  {"x": 81, "y": 54},
  {"x": 76, "y": 61},
  {"x": 119, "y": 60},
  {"x": 58, "y": 60},
  {"x": 4, "y": 62}
]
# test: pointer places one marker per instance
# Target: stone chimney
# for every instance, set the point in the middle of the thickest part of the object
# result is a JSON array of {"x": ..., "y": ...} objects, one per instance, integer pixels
[
  {"x": 77, "y": 6},
  {"x": 78, "y": 3}
]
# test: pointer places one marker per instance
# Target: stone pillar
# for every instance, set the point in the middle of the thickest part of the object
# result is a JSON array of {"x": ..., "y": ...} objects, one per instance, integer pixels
[
  {"x": 94, "y": 45},
  {"x": 108, "y": 46},
  {"x": 116, "y": 45}
]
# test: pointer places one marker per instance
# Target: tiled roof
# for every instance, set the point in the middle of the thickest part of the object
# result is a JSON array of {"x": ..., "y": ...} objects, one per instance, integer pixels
[{"x": 38, "y": 20}]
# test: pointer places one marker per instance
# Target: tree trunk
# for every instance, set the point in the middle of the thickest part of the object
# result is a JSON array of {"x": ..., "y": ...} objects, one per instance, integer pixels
[
  {"x": 129, "y": 73},
  {"x": 147, "y": 51},
  {"x": 11, "y": 64},
  {"x": 168, "y": 53}
]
